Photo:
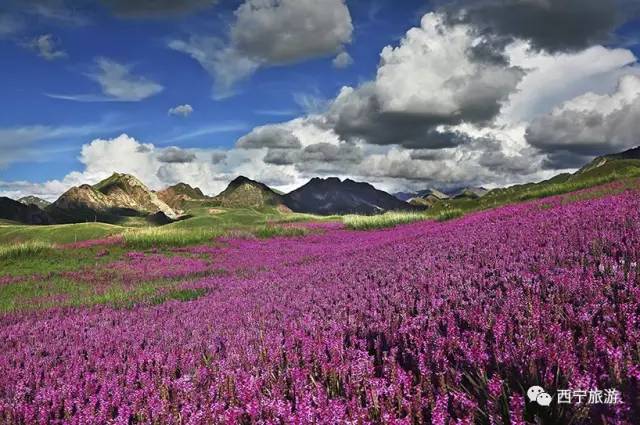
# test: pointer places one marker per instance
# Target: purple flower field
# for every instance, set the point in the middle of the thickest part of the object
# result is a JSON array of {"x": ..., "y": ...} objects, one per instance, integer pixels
[{"x": 443, "y": 323}]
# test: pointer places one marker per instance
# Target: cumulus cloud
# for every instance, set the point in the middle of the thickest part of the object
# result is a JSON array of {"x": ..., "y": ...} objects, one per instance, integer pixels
[
  {"x": 269, "y": 137},
  {"x": 124, "y": 154},
  {"x": 590, "y": 124},
  {"x": 549, "y": 24},
  {"x": 285, "y": 31},
  {"x": 429, "y": 81},
  {"x": 155, "y": 8},
  {"x": 319, "y": 157},
  {"x": 342, "y": 60},
  {"x": 269, "y": 33},
  {"x": 118, "y": 84},
  {"x": 175, "y": 155},
  {"x": 47, "y": 47},
  {"x": 218, "y": 157},
  {"x": 181, "y": 110},
  {"x": 278, "y": 156},
  {"x": 448, "y": 107},
  {"x": 552, "y": 79}
]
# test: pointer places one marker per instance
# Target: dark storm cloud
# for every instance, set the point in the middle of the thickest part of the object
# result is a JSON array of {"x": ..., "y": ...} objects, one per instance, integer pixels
[
  {"x": 551, "y": 25},
  {"x": 175, "y": 155}
]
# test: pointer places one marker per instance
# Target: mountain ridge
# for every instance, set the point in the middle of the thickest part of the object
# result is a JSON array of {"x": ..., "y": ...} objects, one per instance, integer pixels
[
  {"x": 178, "y": 195},
  {"x": 243, "y": 192},
  {"x": 13, "y": 210},
  {"x": 331, "y": 196},
  {"x": 118, "y": 196}
]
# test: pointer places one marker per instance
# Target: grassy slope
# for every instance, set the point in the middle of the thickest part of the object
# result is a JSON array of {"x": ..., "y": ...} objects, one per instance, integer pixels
[
  {"x": 58, "y": 234},
  {"x": 563, "y": 183},
  {"x": 205, "y": 223}
]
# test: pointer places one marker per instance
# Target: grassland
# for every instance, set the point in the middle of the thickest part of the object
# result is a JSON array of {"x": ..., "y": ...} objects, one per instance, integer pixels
[
  {"x": 626, "y": 171},
  {"x": 202, "y": 225},
  {"x": 395, "y": 218}
]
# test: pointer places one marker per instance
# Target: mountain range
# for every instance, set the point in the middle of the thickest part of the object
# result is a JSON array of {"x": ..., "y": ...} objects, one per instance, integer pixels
[
  {"x": 123, "y": 197},
  {"x": 34, "y": 200}
]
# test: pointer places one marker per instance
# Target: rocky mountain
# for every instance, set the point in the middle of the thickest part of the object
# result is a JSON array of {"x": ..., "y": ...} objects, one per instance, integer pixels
[
  {"x": 471, "y": 193},
  {"x": 120, "y": 195},
  {"x": 246, "y": 193},
  {"x": 27, "y": 214},
  {"x": 405, "y": 196},
  {"x": 427, "y": 198},
  {"x": 176, "y": 196},
  {"x": 333, "y": 196},
  {"x": 34, "y": 200}
]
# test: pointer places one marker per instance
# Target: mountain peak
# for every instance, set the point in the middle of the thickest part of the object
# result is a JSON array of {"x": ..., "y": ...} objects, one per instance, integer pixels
[
  {"x": 334, "y": 196},
  {"x": 119, "y": 179},
  {"x": 240, "y": 180},
  {"x": 243, "y": 192},
  {"x": 120, "y": 194},
  {"x": 177, "y": 195},
  {"x": 34, "y": 200},
  {"x": 19, "y": 212}
]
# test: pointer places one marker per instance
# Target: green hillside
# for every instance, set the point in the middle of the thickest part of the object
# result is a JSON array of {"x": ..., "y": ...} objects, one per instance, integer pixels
[
  {"x": 59, "y": 233},
  {"x": 619, "y": 167}
]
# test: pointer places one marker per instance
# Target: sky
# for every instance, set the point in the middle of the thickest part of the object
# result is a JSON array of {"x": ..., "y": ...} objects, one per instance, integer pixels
[{"x": 405, "y": 95}]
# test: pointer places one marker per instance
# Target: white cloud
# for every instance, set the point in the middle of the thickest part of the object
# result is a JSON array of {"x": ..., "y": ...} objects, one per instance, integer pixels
[
  {"x": 268, "y": 33},
  {"x": 438, "y": 113},
  {"x": 269, "y": 137},
  {"x": 181, "y": 110},
  {"x": 342, "y": 60},
  {"x": 225, "y": 64},
  {"x": 591, "y": 124},
  {"x": 433, "y": 73},
  {"x": 47, "y": 47},
  {"x": 285, "y": 31},
  {"x": 118, "y": 84},
  {"x": 554, "y": 78},
  {"x": 209, "y": 169}
]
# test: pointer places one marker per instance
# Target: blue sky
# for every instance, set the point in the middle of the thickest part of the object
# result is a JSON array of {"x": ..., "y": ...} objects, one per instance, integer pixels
[
  {"x": 272, "y": 94},
  {"x": 73, "y": 75}
]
